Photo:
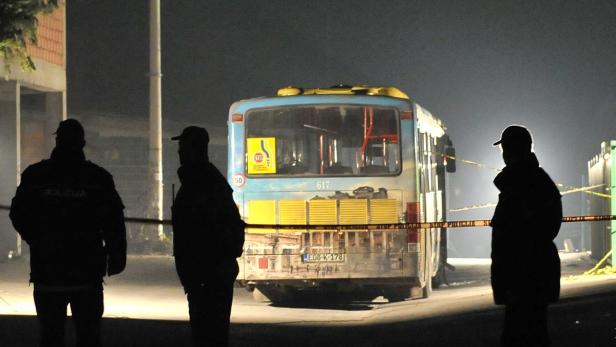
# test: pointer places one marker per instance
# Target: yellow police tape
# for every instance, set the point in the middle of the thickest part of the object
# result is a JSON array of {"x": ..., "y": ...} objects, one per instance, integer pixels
[
  {"x": 597, "y": 270},
  {"x": 282, "y": 228},
  {"x": 388, "y": 226},
  {"x": 587, "y": 190},
  {"x": 424, "y": 225},
  {"x": 470, "y": 162},
  {"x": 472, "y": 207},
  {"x": 565, "y": 192},
  {"x": 570, "y": 189}
]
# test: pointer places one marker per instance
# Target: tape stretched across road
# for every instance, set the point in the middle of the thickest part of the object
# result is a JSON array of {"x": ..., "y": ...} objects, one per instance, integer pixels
[
  {"x": 569, "y": 190},
  {"x": 426, "y": 225},
  {"x": 391, "y": 226}
]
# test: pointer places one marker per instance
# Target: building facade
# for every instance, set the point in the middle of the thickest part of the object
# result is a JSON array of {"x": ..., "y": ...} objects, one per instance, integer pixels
[
  {"x": 31, "y": 105},
  {"x": 602, "y": 171},
  {"x": 120, "y": 144}
]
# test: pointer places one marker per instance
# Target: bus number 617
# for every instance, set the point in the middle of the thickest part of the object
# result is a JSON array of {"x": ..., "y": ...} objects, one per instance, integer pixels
[{"x": 322, "y": 185}]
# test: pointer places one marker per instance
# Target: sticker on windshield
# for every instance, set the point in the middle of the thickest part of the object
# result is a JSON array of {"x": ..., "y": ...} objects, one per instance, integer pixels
[
  {"x": 261, "y": 155},
  {"x": 238, "y": 180}
]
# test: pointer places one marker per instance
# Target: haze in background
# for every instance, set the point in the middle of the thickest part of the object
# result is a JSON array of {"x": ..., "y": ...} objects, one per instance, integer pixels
[{"x": 479, "y": 66}]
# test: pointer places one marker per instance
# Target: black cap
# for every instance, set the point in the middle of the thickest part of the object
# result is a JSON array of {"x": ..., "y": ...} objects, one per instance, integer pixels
[
  {"x": 70, "y": 130},
  {"x": 515, "y": 134},
  {"x": 194, "y": 134}
]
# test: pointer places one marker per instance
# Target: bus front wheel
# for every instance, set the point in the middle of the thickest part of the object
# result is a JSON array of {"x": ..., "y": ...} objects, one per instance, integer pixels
[{"x": 397, "y": 294}]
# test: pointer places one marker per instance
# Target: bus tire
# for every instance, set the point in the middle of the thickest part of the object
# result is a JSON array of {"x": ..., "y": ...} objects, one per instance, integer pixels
[
  {"x": 439, "y": 279},
  {"x": 397, "y": 294}
]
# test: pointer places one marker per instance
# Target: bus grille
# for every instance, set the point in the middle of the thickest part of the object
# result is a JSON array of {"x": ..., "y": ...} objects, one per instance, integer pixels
[
  {"x": 292, "y": 212},
  {"x": 384, "y": 211},
  {"x": 323, "y": 212},
  {"x": 354, "y": 211},
  {"x": 320, "y": 212},
  {"x": 261, "y": 212}
]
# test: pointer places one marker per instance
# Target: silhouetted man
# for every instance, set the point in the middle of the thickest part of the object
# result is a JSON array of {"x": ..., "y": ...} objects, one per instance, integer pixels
[
  {"x": 525, "y": 264},
  {"x": 208, "y": 237},
  {"x": 68, "y": 211}
]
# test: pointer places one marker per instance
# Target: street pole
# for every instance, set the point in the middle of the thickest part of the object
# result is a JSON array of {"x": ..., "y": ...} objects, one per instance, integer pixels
[
  {"x": 613, "y": 198},
  {"x": 156, "y": 155}
]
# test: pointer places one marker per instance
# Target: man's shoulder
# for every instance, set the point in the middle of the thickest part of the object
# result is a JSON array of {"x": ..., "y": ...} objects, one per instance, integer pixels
[
  {"x": 97, "y": 171},
  {"x": 218, "y": 180},
  {"x": 213, "y": 170},
  {"x": 46, "y": 165},
  {"x": 36, "y": 169},
  {"x": 545, "y": 182},
  {"x": 41, "y": 165}
]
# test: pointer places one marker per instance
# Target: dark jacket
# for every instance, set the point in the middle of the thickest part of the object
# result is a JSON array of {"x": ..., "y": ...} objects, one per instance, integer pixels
[
  {"x": 525, "y": 263},
  {"x": 68, "y": 211},
  {"x": 208, "y": 232}
]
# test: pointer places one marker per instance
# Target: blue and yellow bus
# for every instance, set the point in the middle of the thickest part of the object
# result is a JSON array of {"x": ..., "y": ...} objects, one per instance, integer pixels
[{"x": 339, "y": 156}]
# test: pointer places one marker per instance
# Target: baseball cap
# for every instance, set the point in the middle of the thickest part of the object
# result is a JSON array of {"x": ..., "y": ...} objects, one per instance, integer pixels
[
  {"x": 515, "y": 134},
  {"x": 70, "y": 130},
  {"x": 194, "y": 134}
]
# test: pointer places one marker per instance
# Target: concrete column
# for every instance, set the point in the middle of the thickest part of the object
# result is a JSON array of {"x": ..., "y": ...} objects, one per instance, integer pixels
[{"x": 10, "y": 161}]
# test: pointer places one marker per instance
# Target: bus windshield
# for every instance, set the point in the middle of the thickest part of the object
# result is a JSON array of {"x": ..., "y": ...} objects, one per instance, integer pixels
[{"x": 323, "y": 140}]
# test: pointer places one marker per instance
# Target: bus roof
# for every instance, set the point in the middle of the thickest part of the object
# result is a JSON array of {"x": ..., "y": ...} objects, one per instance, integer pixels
[
  {"x": 336, "y": 94},
  {"x": 344, "y": 94},
  {"x": 392, "y": 92},
  {"x": 242, "y": 106}
]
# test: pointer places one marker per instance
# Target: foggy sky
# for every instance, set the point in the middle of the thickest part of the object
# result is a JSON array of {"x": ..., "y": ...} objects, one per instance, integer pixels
[{"x": 477, "y": 65}]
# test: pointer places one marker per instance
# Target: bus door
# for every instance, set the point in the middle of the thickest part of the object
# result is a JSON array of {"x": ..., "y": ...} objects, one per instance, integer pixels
[{"x": 430, "y": 196}]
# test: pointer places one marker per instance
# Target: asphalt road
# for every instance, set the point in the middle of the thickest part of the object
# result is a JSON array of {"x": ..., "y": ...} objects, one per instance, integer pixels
[{"x": 146, "y": 307}]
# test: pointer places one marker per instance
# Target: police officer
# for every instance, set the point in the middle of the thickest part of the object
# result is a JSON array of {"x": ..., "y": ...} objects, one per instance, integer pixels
[
  {"x": 525, "y": 270},
  {"x": 68, "y": 211},
  {"x": 208, "y": 237}
]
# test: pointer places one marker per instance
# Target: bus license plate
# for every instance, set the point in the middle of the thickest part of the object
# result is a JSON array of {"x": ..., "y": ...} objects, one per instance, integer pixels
[{"x": 324, "y": 258}]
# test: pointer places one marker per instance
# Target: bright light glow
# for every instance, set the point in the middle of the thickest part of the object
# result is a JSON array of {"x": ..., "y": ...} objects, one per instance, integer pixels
[{"x": 428, "y": 124}]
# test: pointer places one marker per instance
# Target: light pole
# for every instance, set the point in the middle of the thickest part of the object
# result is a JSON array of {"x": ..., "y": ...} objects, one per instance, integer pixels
[
  {"x": 613, "y": 198},
  {"x": 155, "y": 155}
]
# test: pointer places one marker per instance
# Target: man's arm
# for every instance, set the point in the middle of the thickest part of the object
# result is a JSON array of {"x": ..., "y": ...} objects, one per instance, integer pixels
[
  {"x": 114, "y": 230},
  {"x": 21, "y": 204},
  {"x": 234, "y": 226},
  {"x": 238, "y": 231}
]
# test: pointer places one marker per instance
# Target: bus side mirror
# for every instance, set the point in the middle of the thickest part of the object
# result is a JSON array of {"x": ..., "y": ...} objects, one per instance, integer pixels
[{"x": 450, "y": 153}]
